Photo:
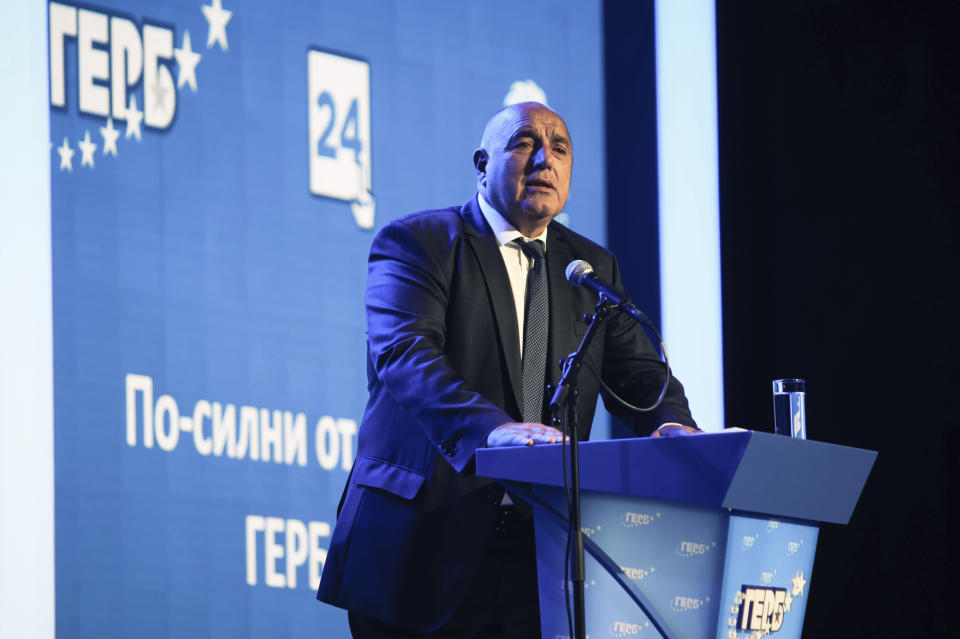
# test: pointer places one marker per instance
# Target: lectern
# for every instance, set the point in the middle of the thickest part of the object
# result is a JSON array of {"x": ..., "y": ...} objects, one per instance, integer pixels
[{"x": 691, "y": 537}]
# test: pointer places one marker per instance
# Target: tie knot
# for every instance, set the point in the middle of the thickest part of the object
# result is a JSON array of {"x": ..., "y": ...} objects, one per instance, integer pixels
[{"x": 532, "y": 248}]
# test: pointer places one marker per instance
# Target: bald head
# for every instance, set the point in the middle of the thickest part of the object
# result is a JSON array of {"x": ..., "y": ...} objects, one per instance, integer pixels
[
  {"x": 501, "y": 118},
  {"x": 523, "y": 165}
]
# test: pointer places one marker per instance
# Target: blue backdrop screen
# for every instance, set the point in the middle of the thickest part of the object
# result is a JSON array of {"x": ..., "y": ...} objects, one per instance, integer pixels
[{"x": 218, "y": 172}]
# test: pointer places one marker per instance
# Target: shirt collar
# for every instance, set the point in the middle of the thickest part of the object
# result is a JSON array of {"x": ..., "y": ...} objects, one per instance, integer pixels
[{"x": 502, "y": 229}]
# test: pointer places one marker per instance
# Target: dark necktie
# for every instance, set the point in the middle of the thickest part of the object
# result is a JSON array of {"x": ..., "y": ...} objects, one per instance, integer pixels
[{"x": 536, "y": 329}]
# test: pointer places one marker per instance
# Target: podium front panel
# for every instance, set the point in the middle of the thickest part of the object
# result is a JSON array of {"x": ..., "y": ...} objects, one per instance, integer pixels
[
  {"x": 670, "y": 554},
  {"x": 766, "y": 582},
  {"x": 658, "y": 568}
]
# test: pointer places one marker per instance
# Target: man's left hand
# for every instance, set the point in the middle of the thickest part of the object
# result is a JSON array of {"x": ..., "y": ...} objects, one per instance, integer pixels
[{"x": 675, "y": 430}]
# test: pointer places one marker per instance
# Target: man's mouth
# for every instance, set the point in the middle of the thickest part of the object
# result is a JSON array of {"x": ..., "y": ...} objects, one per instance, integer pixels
[{"x": 538, "y": 183}]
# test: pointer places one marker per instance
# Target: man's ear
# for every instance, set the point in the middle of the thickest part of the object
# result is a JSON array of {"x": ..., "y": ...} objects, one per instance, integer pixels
[{"x": 480, "y": 164}]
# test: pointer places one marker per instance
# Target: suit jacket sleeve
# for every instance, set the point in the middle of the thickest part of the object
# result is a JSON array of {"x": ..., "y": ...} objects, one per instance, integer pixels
[
  {"x": 632, "y": 368},
  {"x": 408, "y": 286}
]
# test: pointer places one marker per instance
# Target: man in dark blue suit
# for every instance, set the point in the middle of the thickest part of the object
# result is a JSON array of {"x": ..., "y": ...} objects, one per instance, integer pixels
[{"x": 422, "y": 546}]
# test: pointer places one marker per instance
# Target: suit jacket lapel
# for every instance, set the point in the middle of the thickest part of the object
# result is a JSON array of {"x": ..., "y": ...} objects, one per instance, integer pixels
[
  {"x": 487, "y": 250},
  {"x": 564, "y": 315}
]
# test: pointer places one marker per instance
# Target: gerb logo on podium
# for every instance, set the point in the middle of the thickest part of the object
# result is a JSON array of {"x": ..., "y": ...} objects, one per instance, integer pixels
[
  {"x": 761, "y": 609},
  {"x": 338, "y": 89}
]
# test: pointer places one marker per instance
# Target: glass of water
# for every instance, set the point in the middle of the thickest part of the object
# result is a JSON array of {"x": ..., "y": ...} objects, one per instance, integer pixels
[{"x": 789, "y": 415}]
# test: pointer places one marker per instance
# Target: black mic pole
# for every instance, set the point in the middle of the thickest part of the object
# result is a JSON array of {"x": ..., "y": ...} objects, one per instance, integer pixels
[{"x": 563, "y": 406}]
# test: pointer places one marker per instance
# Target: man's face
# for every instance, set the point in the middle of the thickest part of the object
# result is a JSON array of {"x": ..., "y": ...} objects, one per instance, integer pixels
[{"x": 524, "y": 164}]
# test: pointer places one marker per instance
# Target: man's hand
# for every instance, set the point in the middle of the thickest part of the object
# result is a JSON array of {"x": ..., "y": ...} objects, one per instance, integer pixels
[
  {"x": 523, "y": 434},
  {"x": 674, "y": 430}
]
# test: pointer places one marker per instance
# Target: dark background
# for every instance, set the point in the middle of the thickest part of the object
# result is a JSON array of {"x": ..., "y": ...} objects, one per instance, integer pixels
[{"x": 839, "y": 137}]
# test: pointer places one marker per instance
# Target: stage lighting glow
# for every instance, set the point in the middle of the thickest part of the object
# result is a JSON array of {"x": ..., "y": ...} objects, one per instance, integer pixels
[{"x": 689, "y": 201}]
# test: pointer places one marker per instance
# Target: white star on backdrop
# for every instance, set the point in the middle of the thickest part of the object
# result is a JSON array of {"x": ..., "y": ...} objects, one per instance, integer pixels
[
  {"x": 134, "y": 118},
  {"x": 110, "y": 136},
  {"x": 87, "y": 149},
  {"x": 66, "y": 156},
  {"x": 217, "y": 19},
  {"x": 798, "y": 583},
  {"x": 187, "y": 61},
  {"x": 159, "y": 96}
]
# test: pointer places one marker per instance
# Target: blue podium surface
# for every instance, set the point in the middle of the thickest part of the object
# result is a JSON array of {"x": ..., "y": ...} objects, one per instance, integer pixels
[
  {"x": 739, "y": 469},
  {"x": 708, "y": 535}
]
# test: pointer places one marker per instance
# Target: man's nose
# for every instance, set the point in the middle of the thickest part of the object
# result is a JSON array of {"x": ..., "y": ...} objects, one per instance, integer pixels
[{"x": 542, "y": 158}]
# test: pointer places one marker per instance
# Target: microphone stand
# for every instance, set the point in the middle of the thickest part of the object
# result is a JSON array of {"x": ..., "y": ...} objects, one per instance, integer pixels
[{"x": 563, "y": 407}]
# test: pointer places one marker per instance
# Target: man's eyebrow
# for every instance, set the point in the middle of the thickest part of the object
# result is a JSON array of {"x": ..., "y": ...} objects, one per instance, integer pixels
[{"x": 525, "y": 132}]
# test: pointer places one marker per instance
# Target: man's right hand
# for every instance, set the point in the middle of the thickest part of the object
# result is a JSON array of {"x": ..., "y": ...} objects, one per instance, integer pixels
[{"x": 523, "y": 434}]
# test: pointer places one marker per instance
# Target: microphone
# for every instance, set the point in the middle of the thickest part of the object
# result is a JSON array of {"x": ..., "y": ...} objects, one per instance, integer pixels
[{"x": 580, "y": 273}]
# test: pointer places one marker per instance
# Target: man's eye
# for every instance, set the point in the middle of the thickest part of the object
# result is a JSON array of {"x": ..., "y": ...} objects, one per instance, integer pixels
[
  {"x": 560, "y": 150},
  {"x": 524, "y": 144}
]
